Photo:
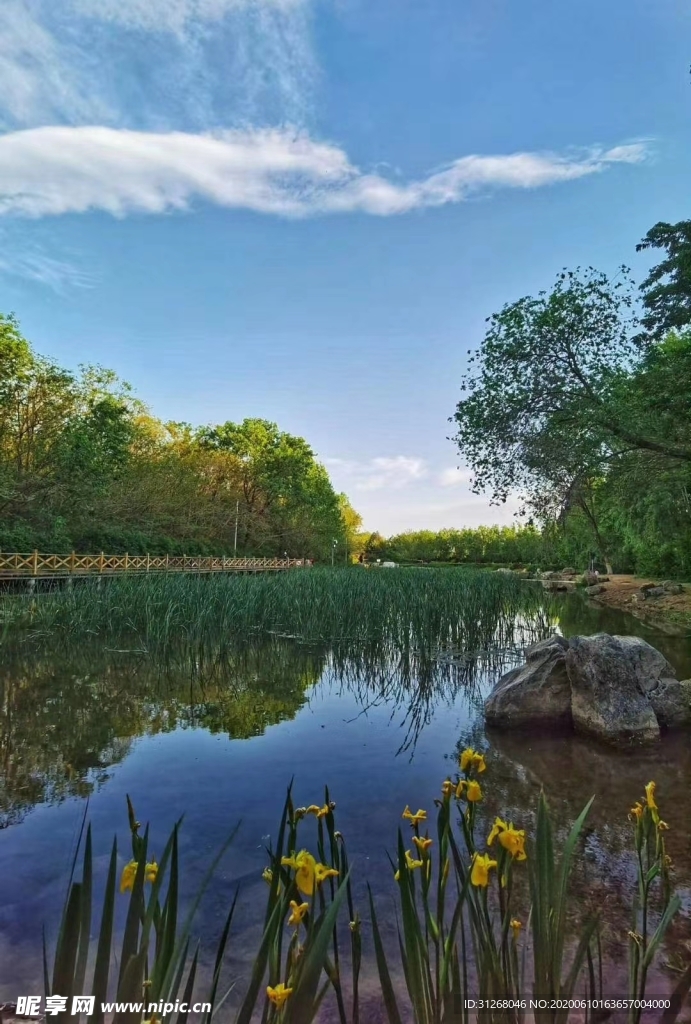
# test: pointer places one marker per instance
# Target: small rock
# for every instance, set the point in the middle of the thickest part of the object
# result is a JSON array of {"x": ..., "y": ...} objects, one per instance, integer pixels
[
  {"x": 653, "y": 592},
  {"x": 673, "y": 588},
  {"x": 596, "y": 588}
]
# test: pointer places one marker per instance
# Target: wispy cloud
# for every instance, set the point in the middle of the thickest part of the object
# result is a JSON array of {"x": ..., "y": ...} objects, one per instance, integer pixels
[
  {"x": 378, "y": 473},
  {"x": 59, "y": 169},
  {"x": 21, "y": 258},
  {"x": 155, "y": 63}
]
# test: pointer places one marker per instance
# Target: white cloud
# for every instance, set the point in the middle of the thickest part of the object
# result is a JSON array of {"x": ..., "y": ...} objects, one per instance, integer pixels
[
  {"x": 173, "y": 15},
  {"x": 455, "y": 477},
  {"x": 59, "y": 169},
  {"x": 39, "y": 76},
  {"x": 378, "y": 473},
  {"x": 155, "y": 63}
]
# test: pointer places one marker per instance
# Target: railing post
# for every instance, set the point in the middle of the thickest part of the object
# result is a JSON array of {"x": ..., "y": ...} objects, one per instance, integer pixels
[
  {"x": 101, "y": 563},
  {"x": 35, "y": 562},
  {"x": 72, "y": 556},
  {"x": 184, "y": 561},
  {"x": 127, "y": 558},
  {"x": 148, "y": 561},
  {"x": 167, "y": 558}
]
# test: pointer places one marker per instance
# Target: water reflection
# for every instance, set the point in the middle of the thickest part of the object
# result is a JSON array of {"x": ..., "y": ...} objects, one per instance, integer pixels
[{"x": 216, "y": 734}]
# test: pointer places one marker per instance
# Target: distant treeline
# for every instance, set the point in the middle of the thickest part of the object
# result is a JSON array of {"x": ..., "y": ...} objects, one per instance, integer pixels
[
  {"x": 485, "y": 545},
  {"x": 84, "y": 466}
]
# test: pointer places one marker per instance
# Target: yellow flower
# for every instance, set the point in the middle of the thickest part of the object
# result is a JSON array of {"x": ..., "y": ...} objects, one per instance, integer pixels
[
  {"x": 482, "y": 865},
  {"x": 298, "y": 911},
  {"x": 323, "y": 871},
  {"x": 497, "y": 827},
  {"x": 303, "y": 864},
  {"x": 636, "y": 811},
  {"x": 416, "y": 818},
  {"x": 279, "y": 994},
  {"x": 268, "y": 875},
  {"x": 650, "y": 796},
  {"x": 474, "y": 792},
  {"x": 410, "y": 862},
  {"x": 515, "y": 927},
  {"x": 129, "y": 873},
  {"x": 472, "y": 759},
  {"x": 151, "y": 872},
  {"x": 512, "y": 839},
  {"x": 318, "y": 812},
  {"x": 663, "y": 826},
  {"x": 447, "y": 787},
  {"x": 422, "y": 844}
]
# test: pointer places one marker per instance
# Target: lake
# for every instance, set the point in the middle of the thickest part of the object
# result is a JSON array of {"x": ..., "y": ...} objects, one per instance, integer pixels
[{"x": 218, "y": 741}]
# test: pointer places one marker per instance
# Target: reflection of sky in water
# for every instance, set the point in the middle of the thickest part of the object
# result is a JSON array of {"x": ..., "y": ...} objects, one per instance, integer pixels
[{"x": 356, "y": 737}]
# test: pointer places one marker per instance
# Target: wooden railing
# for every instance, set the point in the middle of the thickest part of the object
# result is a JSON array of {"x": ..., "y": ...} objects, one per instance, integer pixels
[{"x": 40, "y": 565}]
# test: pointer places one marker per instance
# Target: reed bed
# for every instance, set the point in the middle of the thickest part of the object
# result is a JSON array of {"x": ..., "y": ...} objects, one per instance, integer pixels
[{"x": 414, "y": 611}]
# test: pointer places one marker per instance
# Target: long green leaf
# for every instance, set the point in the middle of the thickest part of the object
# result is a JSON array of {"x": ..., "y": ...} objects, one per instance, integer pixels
[{"x": 387, "y": 988}]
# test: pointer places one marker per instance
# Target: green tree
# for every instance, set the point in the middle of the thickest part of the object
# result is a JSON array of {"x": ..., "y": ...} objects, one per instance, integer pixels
[{"x": 667, "y": 288}]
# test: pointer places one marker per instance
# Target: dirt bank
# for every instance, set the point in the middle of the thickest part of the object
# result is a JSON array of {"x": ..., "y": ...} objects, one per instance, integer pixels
[{"x": 670, "y": 613}]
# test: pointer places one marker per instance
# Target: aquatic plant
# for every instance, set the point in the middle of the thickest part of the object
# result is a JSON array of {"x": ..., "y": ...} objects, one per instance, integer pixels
[
  {"x": 469, "y": 923},
  {"x": 413, "y": 611}
]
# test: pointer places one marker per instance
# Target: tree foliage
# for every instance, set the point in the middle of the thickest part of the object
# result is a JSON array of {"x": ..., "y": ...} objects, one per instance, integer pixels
[
  {"x": 570, "y": 405},
  {"x": 85, "y": 466}
]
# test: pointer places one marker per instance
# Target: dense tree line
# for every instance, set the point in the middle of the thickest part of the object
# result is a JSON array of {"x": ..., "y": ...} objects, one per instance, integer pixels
[
  {"x": 579, "y": 399},
  {"x": 84, "y": 466}
]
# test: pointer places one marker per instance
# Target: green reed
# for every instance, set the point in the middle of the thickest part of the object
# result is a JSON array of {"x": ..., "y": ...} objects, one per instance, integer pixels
[{"x": 415, "y": 611}]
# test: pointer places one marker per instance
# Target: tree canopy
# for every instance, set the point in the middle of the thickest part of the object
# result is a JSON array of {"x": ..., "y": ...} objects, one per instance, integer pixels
[
  {"x": 582, "y": 408},
  {"x": 84, "y": 465}
]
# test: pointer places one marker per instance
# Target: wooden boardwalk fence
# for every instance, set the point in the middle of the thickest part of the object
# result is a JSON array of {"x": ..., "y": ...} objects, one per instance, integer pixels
[{"x": 37, "y": 565}]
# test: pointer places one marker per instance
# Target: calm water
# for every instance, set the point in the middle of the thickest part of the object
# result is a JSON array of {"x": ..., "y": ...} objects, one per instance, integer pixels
[{"x": 220, "y": 743}]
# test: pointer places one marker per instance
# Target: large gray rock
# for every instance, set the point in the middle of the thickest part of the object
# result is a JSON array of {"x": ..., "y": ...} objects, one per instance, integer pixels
[
  {"x": 611, "y": 678},
  {"x": 617, "y": 688},
  {"x": 537, "y": 694}
]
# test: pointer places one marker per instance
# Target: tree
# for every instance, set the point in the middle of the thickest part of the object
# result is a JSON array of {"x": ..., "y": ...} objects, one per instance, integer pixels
[
  {"x": 554, "y": 402},
  {"x": 667, "y": 288}
]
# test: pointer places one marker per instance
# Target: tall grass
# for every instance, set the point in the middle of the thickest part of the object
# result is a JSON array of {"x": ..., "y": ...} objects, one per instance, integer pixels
[{"x": 416, "y": 611}]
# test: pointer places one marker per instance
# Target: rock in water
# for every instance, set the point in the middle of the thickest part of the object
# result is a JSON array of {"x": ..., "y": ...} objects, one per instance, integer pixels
[
  {"x": 536, "y": 694},
  {"x": 611, "y": 677},
  {"x": 617, "y": 688}
]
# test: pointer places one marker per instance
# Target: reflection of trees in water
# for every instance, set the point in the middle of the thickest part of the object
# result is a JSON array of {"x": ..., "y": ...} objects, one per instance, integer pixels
[{"x": 65, "y": 720}]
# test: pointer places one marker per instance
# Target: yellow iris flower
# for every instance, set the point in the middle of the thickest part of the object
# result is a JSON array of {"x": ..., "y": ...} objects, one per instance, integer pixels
[
  {"x": 416, "y": 818},
  {"x": 482, "y": 865},
  {"x": 318, "y": 812},
  {"x": 515, "y": 927},
  {"x": 303, "y": 864},
  {"x": 411, "y": 862},
  {"x": 447, "y": 787},
  {"x": 422, "y": 844},
  {"x": 298, "y": 911},
  {"x": 129, "y": 873},
  {"x": 322, "y": 871},
  {"x": 472, "y": 759},
  {"x": 279, "y": 994},
  {"x": 512, "y": 839},
  {"x": 636, "y": 811},
  {"x": 474, "y": 792},
  {"x": 268, "y": 875}
]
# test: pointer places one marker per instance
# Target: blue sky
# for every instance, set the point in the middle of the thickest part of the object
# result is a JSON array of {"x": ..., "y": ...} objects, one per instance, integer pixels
[{"x": 305, "y": 209}]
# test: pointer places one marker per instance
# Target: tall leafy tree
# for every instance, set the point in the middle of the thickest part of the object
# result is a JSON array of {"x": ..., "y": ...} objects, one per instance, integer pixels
[{"x": 667, "y": 288}]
